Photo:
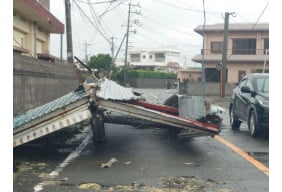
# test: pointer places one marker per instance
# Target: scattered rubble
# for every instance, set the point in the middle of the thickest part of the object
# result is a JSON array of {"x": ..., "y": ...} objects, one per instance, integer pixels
[
  {"x": 171, "y": 184},
  {"x": 109, "y": 163}
]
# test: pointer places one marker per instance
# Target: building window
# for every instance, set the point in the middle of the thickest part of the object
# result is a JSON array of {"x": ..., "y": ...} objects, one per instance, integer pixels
[
  {"x": 144, "y": 56},
  {"x": 151, "y": 56},
  {"x": 244, "y": 46},
  {"x": 216, "y": 46},
  {"x": 159, "y": 57},
  {"x": 266, "y": 45},
  {"x": 135, "y": 57},
  {"x": 213, "y": 75}
]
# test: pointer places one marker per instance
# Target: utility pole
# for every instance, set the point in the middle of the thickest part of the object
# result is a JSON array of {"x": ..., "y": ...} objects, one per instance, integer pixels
[
  {"x": 112, "y": 47},
  {"x": 113, "y": 53},
  {"x": 115, "y": 57},
  {"x": 69, "y": 38},
  {"x": 126, "y": 43},
  {"x": 86, "y": 55},
  {"x": 68, "y": 31},
  {"x": 61, "y": 47},
  {"x": 224, "y": 53},
  {"x": 203, "y": 59}
]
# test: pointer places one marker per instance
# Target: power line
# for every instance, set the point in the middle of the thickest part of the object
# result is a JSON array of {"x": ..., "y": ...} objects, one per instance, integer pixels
[
  {"x": 107, "y": 39},
  {"x": 102, "y": 2},
  {"x": 108, "y": 9},
  {"x": 184, "y": 8},
  {"x": 168, "y": 27},
  {"x": 94, "y": 15},
  {"x": 165, "y": 18},
  {"x": 260, "y": 15}
]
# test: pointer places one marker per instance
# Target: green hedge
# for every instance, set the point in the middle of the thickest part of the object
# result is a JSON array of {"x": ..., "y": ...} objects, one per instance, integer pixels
[
  {"x": 150, "y": 74},
  {"x": 119, "y": 75}
]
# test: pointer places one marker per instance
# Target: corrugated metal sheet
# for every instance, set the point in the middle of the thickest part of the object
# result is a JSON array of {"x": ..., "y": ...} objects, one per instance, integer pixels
[
  {"x": 48, "y": 107},
  {"x": 111, "y": 90},
  {"x": 192, "y": 107}
]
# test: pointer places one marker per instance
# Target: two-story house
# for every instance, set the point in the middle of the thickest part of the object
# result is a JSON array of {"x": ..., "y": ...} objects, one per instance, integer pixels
[
  {"x": 32, "y": 25},
  {"x": 247, "y": 50},
  {"x": 166, "y": 59}
]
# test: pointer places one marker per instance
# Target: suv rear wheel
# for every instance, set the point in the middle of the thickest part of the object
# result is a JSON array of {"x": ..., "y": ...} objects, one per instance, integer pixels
[
  {"x": 253, "y": 124},
  {"x": 234, "y": 122}
]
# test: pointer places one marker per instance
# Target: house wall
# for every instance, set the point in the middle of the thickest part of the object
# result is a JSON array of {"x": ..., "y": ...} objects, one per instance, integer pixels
[
  {"x": 148, "y": 58},
  {"x": 218, "y": 36},
  {"x": 189, "y": 74},
  {"x": 247, "y": 63},
  {"x": 36, "y": 82},
  {"x": 29, "y": 36}
]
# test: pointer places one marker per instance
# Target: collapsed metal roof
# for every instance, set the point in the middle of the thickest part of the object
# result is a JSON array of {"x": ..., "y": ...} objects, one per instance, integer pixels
[
  {"x": 75, "y": 107},
  {"x": 111, "y": 90},
  {"x": 42, "y": 110},
  {"x": 107, "y": 89}
]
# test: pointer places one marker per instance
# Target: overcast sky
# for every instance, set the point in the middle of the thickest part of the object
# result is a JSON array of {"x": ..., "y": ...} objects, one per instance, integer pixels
[{"x": 162, "y": 23}]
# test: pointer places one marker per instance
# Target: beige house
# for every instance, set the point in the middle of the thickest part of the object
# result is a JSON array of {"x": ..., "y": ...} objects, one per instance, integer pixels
[
  {"x": 247, "y": 50},
  {"x": 32, "y": 26},
  {"x": 191, "y": 74}
]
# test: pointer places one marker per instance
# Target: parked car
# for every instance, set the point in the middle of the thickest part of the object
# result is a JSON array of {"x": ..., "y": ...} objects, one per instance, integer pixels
[{"x": 250, "y": 103}]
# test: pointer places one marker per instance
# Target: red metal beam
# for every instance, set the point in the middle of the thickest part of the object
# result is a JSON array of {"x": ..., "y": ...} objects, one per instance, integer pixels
[{"x": 156, "y": 107}]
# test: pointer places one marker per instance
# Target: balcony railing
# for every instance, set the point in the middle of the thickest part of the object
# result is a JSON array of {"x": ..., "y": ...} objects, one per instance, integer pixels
[{"x": 238, "y": 52}]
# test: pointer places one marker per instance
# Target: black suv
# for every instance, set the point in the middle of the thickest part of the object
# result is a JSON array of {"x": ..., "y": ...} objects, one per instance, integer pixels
[{"x": 250, "y": 103}]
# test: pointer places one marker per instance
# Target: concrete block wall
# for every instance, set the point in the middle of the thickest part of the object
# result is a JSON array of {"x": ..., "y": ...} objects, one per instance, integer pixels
[
  {"x": 36, "y": 82},
  {"x": 212, "y": 89},
  {"x": 149, "y": 83},
  {"x": 189, "y": 88}
]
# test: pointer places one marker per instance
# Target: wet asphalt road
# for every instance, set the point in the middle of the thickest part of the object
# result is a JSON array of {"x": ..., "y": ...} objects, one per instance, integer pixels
[{"x": 150, "y": 159}]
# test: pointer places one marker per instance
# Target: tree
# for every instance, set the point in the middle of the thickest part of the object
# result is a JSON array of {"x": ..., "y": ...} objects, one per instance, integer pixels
[{"x": 101, "y": 62}]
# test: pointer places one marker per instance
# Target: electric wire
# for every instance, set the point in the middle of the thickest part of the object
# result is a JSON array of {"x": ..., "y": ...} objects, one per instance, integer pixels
[
  {"x": 107, "y": 39},
  {"x": 260, "y": 15},
  {"x": 168, "y": 27},
  {"x": 108, "y": 8},
  {"x": 101, "y": 2},
  {"x": 164, "y": 18},
  {"x": 96, "y": 18},
  {"x": 184, "y": 8}
]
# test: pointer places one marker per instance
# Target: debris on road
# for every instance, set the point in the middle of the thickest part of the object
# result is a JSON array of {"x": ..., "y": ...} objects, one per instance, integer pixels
[
  {"x": 128, "y": 162},
  {"x": 109, "y": 163},
  {"x": 92, "y": 186},
  {"x": 171, "y": 184}
]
